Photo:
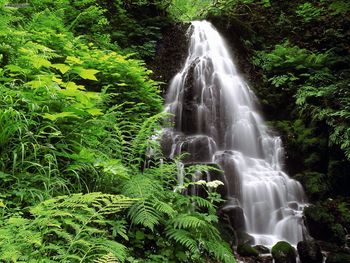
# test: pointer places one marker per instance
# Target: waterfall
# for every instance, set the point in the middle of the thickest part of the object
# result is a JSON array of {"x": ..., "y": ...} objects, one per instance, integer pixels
[{"x": 216, "y": 121}]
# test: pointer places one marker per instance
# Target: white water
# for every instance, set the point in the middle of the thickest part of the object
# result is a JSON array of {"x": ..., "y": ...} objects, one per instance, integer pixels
[{"x": 216, "y": 120}]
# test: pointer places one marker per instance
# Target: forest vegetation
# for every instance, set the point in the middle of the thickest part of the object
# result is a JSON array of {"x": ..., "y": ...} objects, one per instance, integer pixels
[{"x": 82, "y": 174}]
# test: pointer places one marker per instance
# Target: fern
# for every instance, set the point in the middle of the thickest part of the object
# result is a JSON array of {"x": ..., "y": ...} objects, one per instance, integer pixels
[
  {"x": 184, "y": 238},
  {"x": 143, "y": 211},
  {"x": 220, "y": 250},
  {"x": 188, "y": 221},
  {"x": 108, "y": 258},
  {"x": 67, "y": 229}
]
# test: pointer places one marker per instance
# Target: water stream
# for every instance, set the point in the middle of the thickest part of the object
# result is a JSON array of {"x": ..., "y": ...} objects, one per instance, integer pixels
[{"x": 216, "y": 121}]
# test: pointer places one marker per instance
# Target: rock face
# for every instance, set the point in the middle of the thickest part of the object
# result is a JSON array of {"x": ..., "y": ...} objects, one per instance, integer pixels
[
  {"x": 309, "y": 252},
  {"x": 171, "y": 52},
  {"x": 283, "y": 252}
]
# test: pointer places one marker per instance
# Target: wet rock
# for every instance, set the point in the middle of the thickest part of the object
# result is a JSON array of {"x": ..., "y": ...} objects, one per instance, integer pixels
[
  {"x": 283, "y": 252},
  {"x": 234, "y": 213},
  {"x": 189, "y": 123},
  {"x": 265, "y": 259},
  {"x": 200, "y": 148},
  {"x": 244, "y": 238},
  {"x": 338, "y": 258},
  {"x": 347, "y": 241},
  {"x": 227, "y": 164},
  {"x": 247, "y": 250},
  {"x": 170, "y": 54},
  {"x": 262, "y": 249},
  {"x": 293, "y": 205},
  {"x": 169, "y": 137},
  {"x": 259, "y": 259},
  {"x": 309, "y": 252}
]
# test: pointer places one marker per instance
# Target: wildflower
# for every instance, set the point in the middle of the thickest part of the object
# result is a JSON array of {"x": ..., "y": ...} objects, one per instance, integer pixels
[
  {"x": 214, "y": 184},
  {"x": 201, "y": 182}
]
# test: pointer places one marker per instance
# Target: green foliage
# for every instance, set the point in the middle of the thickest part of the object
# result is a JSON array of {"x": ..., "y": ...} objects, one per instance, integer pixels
[
  {"x": 302, "y": 144},
  {"x": 329, "y": 220},
  {"x": 132, "y": 25},
  {"x": 313, "y": 86},
  {"x": 81, "y": 172},
  {"x": 184, "y": 10},
  {"x": 316, "y": 185},
  {"x": 171, "y": 219},
  {"x": 309, "y": 12},
  {"x": 231, "y": 8},
  {"x": 286, "y": 56},
  {"x": 73, "y": 228}
]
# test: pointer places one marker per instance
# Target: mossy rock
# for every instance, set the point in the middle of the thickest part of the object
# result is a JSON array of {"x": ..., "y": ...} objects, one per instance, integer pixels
[
  {"x": 246, "y": 250},
  {"x": 338, "y": 258},
  {"x": 244, "y": 238},
  {"x": 283, "y": 252},
  {"x": 262, "y": 249}
]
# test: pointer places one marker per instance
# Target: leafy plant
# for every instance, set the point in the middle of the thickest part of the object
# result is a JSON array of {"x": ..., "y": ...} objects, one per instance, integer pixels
[
  {"x": 308, "y": 11},
  {"x": 73, "y": 228}
]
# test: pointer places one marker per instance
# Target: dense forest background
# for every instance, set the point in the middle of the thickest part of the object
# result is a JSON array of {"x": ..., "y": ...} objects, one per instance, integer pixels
[{"x": 82, "y": 175}]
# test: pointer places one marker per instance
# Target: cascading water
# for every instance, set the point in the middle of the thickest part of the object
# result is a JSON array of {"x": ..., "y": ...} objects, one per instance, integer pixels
[{"x": 216, "y": 121}]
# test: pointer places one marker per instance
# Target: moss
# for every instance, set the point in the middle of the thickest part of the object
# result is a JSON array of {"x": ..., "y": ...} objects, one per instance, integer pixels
[
  {"x": 283, "y": 252},
  {"x": 246, "y": 250}
]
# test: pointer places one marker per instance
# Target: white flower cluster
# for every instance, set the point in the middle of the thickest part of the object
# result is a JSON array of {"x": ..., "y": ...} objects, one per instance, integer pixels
[{"x": 212, "y": 184}]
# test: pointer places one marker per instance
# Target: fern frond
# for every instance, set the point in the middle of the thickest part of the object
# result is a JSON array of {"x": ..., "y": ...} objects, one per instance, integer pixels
[
  {"x": 144, "y": 213},
  {"x": 201, "y": 202},
  {"x": 220, "y": 250},
  {"x": 186, "y": 221},
  {"x": 184, "y": 238},
  {"x": 109, "y": 258},
  {"x": 164, "y": 208}
]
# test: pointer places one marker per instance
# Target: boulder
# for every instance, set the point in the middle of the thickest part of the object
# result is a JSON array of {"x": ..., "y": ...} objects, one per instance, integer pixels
[
  {"x": 283, "y": 252},
  {"x": 200, "y": 148},
  {"x": 338, "y": 258},
  {"x": 234, "y": 214},
  {"x": 244, "y": 238},
  {"x": 262, "y": 249},
  {"x": 309, "y": 252},
  {"x": 293, "y": 205},
  {"x": 246, "y": 250}
]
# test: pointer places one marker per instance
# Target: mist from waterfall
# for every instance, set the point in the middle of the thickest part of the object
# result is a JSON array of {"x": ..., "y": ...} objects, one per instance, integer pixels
[{"x": 216, "y": 121}]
